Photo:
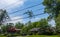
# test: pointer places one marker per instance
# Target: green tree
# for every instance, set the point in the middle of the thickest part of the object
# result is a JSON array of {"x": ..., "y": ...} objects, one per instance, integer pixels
[
  {"x": 58, "y": 24},
  {"x": 24, "y": 30},
  {"x": 52, "y": 7},
  {"x": 45, "y": 28},
  {"x": 29, "y": 25},
  {"x": 3, "y": 16},
  {"x": 34, "y": 24},
  {"x": 19, "y": 25},
  {"x": 6, "y": 27},
  {"x": 30, "y": 15}
]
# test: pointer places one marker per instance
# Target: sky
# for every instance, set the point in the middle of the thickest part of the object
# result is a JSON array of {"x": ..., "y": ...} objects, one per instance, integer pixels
[{"x": 14, "y": 5}]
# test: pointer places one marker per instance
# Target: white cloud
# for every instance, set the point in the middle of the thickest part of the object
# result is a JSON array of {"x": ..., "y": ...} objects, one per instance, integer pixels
[
  {"x": 15, "y": 19},
  {"x": 11, "y": 4},
  {"x": 52, "y": 22},
  {"x": 6, "y": 3}
]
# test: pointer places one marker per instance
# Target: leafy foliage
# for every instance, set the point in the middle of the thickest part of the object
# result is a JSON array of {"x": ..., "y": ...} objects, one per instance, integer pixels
[
  {"x": 3, "y": 16},
  {"x": 19, "y": 25},
  {"x": 52, "y": 7}
]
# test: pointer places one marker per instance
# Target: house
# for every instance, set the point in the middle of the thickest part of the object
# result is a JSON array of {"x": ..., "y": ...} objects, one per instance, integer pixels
[
  {"x": 13, "y": 29},
  {"x": 18, "y": 30},
  {"x": 34, "y": 31}
]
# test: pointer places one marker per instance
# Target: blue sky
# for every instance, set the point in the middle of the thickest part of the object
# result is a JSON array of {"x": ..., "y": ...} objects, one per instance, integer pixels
[{"x": 14, "y": 5}]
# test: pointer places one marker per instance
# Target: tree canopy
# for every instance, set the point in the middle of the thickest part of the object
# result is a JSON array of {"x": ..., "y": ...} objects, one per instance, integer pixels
[
  {"x": 3, "y": 16},
  {"x": 52, "y": 7}
]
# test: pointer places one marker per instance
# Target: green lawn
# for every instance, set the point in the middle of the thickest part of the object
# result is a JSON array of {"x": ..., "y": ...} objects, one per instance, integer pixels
[
  {"x": 2, "y": 36},
  {"x": 43, "y": 36},
  {"x": 37, "y": 36}
]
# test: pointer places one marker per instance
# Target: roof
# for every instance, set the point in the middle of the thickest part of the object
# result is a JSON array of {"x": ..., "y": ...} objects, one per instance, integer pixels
[
  {"x": 18, "y": 29},
  {"x": 35, "y": 29}
]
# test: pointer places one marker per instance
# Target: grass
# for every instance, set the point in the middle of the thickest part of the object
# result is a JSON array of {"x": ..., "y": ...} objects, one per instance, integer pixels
[
  {"x": 37, "y": 36},
  {"x": 43, "y": 36},
  {"x": 2, "y": 36}
]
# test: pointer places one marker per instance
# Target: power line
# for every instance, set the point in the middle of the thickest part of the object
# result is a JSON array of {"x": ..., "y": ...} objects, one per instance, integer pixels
[
  {"x": 38, "y": 9},
  {"x": 26, "y": 8},
  {"x": 39, "y": 14},
  {"x": 32, "y": 11},
  {"x": 27, "y": 17},
  {"x": 23, "y": 8}
]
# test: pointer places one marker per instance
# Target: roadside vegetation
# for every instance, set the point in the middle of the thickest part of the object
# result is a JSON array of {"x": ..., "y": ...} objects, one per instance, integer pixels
[{"x": 40, "y": 28}]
